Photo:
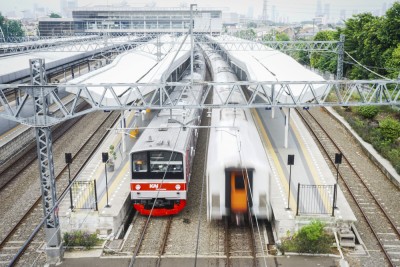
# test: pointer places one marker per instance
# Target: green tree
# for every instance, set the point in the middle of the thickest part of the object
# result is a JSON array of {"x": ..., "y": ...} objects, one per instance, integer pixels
[
  {"x": 326, "y": 61},
  {"x": 54, "y": 15},
  {"x": 390, "y": 129},
  {"x": 248, "y": 34},
  {"x": 368, "y": 112},
  {"x": 11, "y": 28},
  {"x": 278, "y": 36},
  {"x": 392, "y": 64},
  {"x": 281, "y": 36},
  {"x": 251, "y": 25},
  {"x": 390, "y": 26}
]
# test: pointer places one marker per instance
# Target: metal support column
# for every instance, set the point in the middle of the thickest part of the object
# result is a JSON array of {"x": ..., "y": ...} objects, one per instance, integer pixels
[
  {"x": 339, "y": 75},
  {"x": 123, "y": 125},
  {"x": 287, "y": 125},
  {"x": 45, "y": 158},
  {"x": 191, "y": 41},
  {"x": 159, "y": 44}
]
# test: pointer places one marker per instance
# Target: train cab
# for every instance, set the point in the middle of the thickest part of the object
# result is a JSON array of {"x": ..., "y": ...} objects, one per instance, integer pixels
[
  {"x": 238, "y": 197},
  {"x": 158, "y": 182}
]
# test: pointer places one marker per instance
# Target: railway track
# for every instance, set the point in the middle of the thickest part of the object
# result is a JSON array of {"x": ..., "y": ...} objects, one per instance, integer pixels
[
  {"x": 20, "y": 163},
  {"x": 22, "y": 227},
  {"x": 151, "y": 238},
  {"x": 240, "y": 244},
  {"x": 383, "y": 226}
]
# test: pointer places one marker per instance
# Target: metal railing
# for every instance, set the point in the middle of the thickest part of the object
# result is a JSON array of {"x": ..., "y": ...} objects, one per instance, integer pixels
[
  {"x": 315, "y": 199},
  {"x": 84, "y": 195}
]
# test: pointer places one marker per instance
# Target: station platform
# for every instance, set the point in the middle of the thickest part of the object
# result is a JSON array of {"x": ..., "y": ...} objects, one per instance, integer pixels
[
  {"x": 97, "y": 214},
  {"x": 309, "y": 168}
]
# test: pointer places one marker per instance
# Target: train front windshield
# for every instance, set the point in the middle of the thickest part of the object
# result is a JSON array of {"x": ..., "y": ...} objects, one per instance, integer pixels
[{"x": 154, "y": 164}]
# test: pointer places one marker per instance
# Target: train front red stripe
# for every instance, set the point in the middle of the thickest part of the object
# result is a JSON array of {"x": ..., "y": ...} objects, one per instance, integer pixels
[{"x": 158, "y": 186}]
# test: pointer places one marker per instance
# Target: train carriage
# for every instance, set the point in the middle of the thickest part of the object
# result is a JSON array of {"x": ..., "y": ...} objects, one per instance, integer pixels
[
  {"x": 238, "y": 174},
  {"x": 162, "y": 157}
]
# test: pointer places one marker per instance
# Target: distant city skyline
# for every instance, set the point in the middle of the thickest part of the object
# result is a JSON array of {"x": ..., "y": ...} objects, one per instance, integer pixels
[{"x": 277, "y": 10}]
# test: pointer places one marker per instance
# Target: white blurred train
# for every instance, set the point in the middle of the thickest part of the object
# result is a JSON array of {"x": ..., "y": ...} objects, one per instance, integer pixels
[
  {"x": 238, "y": 173},
  {"x": 162, "y": 157}
]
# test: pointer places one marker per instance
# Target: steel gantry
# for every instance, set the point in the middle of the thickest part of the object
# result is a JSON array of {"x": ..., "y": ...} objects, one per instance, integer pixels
[
  {"x": 138, "y": 96},
  {"x": 91, "y": 42}
]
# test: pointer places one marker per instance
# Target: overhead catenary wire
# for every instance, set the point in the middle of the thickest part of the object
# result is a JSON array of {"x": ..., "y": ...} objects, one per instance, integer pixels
[
  {"x": 365, "y": 67},
  {"x": 246, "y": 174}
]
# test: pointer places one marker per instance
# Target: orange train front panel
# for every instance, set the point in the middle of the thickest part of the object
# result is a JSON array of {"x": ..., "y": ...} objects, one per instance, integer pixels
[{"x": 238, "y": 193}]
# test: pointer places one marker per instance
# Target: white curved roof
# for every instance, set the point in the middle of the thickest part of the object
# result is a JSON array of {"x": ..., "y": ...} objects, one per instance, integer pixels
[
  {"x": 17, "y": 66},
  {"x": 272, "y": 65},
  {"x": 138, "y": 65}
]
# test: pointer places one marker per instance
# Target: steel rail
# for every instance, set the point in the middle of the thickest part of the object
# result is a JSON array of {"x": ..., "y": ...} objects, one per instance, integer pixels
[
  {"x": 346, "y": 183},
  {"x": 164, "y": 242},
  {"x": 38, "y": 200},
  {"x": 33, "y": 153}
]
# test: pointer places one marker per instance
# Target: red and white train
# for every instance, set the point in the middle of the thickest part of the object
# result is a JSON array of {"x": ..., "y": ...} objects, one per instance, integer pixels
[{"x": 162, "y": 157}]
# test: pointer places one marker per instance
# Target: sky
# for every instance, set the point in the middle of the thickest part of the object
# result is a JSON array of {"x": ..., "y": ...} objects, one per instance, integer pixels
[{"x": 291, "y": 10}]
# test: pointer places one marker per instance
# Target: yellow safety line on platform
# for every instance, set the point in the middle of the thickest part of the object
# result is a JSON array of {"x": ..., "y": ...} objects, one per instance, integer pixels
[
  {"x": 114, "y": 184},
  {"x": 278, "y": 166},
  {"x": 100, "y": 170},
  {"x": 310, "y": 164}
]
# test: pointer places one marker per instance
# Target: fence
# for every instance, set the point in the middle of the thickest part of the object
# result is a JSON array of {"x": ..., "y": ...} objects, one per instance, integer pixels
[
  {"x": 316, "y": 199},
  {"x": 84, "y": 195}
]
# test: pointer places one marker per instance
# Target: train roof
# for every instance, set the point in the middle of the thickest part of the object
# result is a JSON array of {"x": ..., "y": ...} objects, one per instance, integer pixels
[
  {"x": 233, "y": 128},
  {"x": 164, "y": 132}
]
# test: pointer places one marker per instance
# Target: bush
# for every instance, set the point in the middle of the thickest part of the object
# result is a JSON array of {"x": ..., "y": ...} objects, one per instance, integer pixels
[
  {"x": 80, "y": 238},
  {"x": 311, "y": 238},
  {"x": 389, "y": 128},
  {"x": 368, "y": 112}
]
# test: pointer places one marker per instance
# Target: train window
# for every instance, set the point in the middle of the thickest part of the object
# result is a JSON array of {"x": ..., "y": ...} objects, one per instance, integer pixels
[
  {"x": 239, "y": 182},
  {"x": 163, "y": 161},
  {"x": 139, "y": 161}
]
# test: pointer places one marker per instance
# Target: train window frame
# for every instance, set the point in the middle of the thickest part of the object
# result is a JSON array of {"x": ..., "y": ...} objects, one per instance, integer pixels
[
  {"x": 240, "y": 182},
  {"x": 140, "y": 165},
  {"x": 165, "y": 161}
]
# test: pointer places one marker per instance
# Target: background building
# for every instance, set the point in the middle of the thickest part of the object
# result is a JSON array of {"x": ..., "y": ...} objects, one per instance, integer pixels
[
  {"x": 56, "y": 26},
  {"x": 124, "y": 19}
]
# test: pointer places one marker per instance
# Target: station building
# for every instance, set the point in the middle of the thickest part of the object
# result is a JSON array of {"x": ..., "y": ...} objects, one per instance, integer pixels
[{"x": 124, "y": 19}]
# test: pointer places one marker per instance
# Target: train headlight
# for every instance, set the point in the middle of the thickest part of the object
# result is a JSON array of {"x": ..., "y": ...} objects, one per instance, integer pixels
[
  {"x": 177, "y": 187},
  {"x": 137, "y": 187}
]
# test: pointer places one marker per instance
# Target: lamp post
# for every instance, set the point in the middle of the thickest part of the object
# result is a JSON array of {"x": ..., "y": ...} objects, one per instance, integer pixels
[
  {"x": 104, "y": 157},
  {"x": 191, "y": 41},
  {"x": 68, "y": 160},
  {"x": 338, "y": 161},
  {"x": 290, "y": 162}
]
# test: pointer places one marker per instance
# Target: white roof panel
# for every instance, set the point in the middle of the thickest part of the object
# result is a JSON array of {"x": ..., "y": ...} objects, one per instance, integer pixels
[
  {"x": 136, "y": 66},
  {"x": 17, "y": 66},
  {"x": 273, "y": 65}
]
